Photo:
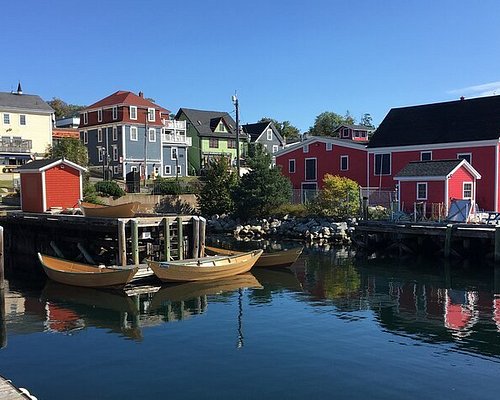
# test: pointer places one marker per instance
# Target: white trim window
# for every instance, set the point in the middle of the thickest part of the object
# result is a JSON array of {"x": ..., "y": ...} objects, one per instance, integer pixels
[
  {"x": 134, "y": 137},
  {"x": 291, "y": 166},
  {"x": 467, "y": 190},
  {"x": 329, "y": 146},
  {"x": 345, "y": 132},
  {"x": 382, "y": 164},
  {"x": 85, "y": 118},
  {"x": 115, "y": 152},
  {"x": 269, "y": 134},
  {"x": 465, "y": 156},
  {"x": 115, "y": 113},
  {"x": 99, "y": 115},
  {"x": 152, "y": 135},
  {"x": 344, "y": 163},
  {"x": 22, "y": 119},
  {"x": 421, "y": 190},
  {"x": 116, "y": 170},
  {"x": 168, "y": 170},
  {"x": 179, "y": 170},
  {"x": 99, "y": 135},
  {"x": 115, "y": 133},
  {"x": 133, "y": 112},
  {"x": 85, "y": 137},
  {"x": 426, "y": 156},
  {"x": 6, "y": 119},
  {"x": 134, "y": 168},
  {"x": 305, "y": 149},
  {"x": 275, "y": 148},
  {"x": 173, "y": 153},
  {"x": 100, "y": 153},
  {"x": 311, "y": 169},
  {"x": 151, "y": 114}
]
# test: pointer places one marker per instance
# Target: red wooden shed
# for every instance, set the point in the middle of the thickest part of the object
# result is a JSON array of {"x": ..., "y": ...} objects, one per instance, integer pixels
[
  {"x": 437, "y": 181},
  {"x": 50, "y": 183}
]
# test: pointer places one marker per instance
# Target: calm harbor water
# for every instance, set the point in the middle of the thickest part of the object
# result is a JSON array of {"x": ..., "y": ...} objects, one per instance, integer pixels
[{"x": 332, "y": 327}]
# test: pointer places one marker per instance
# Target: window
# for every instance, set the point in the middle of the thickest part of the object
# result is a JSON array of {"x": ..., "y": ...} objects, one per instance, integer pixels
[
  {"x": 213, "y": 143},
  {"x": 467, "y": 190},
  {"x": 425, "y": 155},
  {"x": 344, "y": 163},
  {"x": 178, "y": 169},
  {"x": 115, "y": 153},
  {"x": 345, "y": 132},
  {"x": 465, "y": 156},
  {"x": 115, "y": 113},
  {"x": 85, "y": 137},
  {"x": 173, "y": 153},
  {"x": 134, "y": 169},
  {"x": 115, "y": 133},
  {"x": 167, "y": 170},
  {"x": 100, "y": 153},
  {"x": 99, "y": 115},
  {"x": 22, "y": 119},
  {"x": 133, "y": 134},
  {"x": 275, "y": 148},
  {"x": 269, "y": 134},
  {"x": 152, "y": 135},
  {"x": 99, "y": 135},
  {"x": 310, "y": 167},
  {"x": 291, "y": 166},
  {"x": 151, "y": 114},
  {"x": 383, "y": 164},
  {"x": 329, "y": 147},
  {"x": 422, "y": 191},
  {"x": 306, "y": 148},
  {"x": 85, "y": 118},
  {"x": 133, "y": 112},
  {"x": 6, "y": 119},
  {"x": 116, "y": 169},
  {"x": 221, "y": 127},
  {"x": 231, "y": 144}
]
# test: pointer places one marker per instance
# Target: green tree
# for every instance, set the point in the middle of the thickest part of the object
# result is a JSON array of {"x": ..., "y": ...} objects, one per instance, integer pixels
[
  {"x": 326, "y": 122},
  {"x": 366, "y": 120},
  {"x": 71, "y": 149},
  {"x": 285, "y": 128},
  {"x": 63, "y": 109},
  {"x": 215, "y": 196}
]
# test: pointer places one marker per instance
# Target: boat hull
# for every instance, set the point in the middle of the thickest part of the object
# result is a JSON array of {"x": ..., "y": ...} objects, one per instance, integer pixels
[
  {"x": 205, "y": 269},
  {"x": 77, "y": 274},
  {"x": 279, "y": 259},
  {"x": 126, "y": 210}
]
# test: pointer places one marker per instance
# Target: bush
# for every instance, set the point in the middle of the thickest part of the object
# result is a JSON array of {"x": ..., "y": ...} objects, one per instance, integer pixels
[
  {"x": 294, "y": 210},
  {"x": 175, "y": 186},
  {"x": 109, "y": 188},
  {"x": 90, "y": 195}
]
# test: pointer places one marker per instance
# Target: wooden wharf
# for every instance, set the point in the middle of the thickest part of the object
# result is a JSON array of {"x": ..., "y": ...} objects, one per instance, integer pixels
[
  {"x": 449, "y": 239},
  {"x": 9, "y": 392}
]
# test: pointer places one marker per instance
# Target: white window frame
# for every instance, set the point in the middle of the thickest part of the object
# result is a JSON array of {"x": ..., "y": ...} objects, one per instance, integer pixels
[
  {"x": 85, "y": 137},
  {"x": 167, "y": 170},
  {"x": 99, "y": 135},
  {"x": 305, "y": 149},
  {"x": 99, "y": 115},
  {"x": 6, "y": 119},
  {"x": 115, "y": 170},
  {"x": 345, "y": 132},
  {"x": 375, "y": 164},
  {"x": 471, "y": 189},
  {"x": 115, "y": 113},
  {"x": 329, "y": 146},
  {"x": 426, "y": 191},
  {"x": 179, "y": 169},
  {"x": 290, "y": 163},
  {"x": 425, "y": 152},
  {"x": 460, "y": 155},
  {"x": 269, "y": 134},
  {"x": 22, "y": 118},
  {"x": 100, "y": 155},
  {"x": 315, "y": 170},
  {"x": 115, "y": 133},
  {"x": 151, "y": 115},
  {"x": 134, "y": 137},
  {"x": 133, "y": 110},
  {"x": 115, "y": 152},
  {"x": 275, "y": 148},
  {"x": 152, "y": 138},
  {"x": 85, "y": 118},
  {"x": 174, "y": 151},
  {"x": 134, "y": 168},
  {"x": 344, "y": 157}
]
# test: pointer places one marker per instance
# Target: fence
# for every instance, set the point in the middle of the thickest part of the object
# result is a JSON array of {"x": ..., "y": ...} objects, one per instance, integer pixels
[
  {"x": 378, "y": 196},
  {"x": 302, "y": 196}
]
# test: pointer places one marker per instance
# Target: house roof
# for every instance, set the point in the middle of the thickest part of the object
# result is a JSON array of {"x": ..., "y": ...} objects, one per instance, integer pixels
[
  {"x": 453, "y": 121},
  {"x": 61, "y": 133},
  {"x": 205, "y": 122},
  {"x": 434, "y": 168},
  {"x": 29, "y": 102},
  {"x": 354, "y": 127},
  {"x": 45, "y": 164},
  {"x": 126, "y": 98},
  {"x": 257, "y": 129},
  {"x": 352, "y": 144}
]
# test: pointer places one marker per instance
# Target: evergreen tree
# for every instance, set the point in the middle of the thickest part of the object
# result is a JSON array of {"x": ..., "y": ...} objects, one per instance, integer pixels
[{"x": 71, "y": 149}]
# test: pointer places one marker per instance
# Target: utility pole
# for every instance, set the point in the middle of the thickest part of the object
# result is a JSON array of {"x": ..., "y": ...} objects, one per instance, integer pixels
[
  {"x": 236, "y": 105},
  {"x": 145, "y": 146}
]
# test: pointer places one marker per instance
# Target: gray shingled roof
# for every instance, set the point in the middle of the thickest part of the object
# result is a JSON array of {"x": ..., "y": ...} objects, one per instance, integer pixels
[
  {"x": 202, "y": 120},
  {"x": 31, "y": 102},
  {"x": 37, "y": 164},
  {"x": 428, "y": 168}
]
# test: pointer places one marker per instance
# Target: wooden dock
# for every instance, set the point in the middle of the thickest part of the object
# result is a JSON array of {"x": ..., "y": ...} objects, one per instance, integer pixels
[
  {"x": 9, "y": 392},
  {"x": 449, "y": 239}
]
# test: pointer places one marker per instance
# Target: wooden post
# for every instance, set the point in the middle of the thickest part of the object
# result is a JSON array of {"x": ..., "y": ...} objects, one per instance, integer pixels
[
  {"x": 134, "y": 233},
  {"x": 497, "y": 244},
  {"x": 196, "y": 237},
  {"x": 122, "y": 244},
  {"x": 2, "y": 264},
  {"x": 180, "y": 238},
  {"x": 166, "y": 238},
  {"x": 447, "y": 240},
  {"x": 85, "y": 253},
  {"x": 203, "y": 227},
  {"x": 365, "y": 208}
]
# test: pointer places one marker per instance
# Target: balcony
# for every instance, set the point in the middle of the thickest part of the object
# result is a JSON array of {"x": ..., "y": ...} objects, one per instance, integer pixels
[
  {"x": 176, "y": 138},
  {"x": 171, "y": 125},
  {"x": 15, "y": 145}
]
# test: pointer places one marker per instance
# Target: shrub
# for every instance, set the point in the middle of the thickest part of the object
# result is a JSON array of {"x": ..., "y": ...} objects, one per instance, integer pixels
[
  {"x": 109, "y": 188},
  {"x": 294, "y": 210},
  {"x": 90, "y": 195},
  {"x": 176, "y": 186}
]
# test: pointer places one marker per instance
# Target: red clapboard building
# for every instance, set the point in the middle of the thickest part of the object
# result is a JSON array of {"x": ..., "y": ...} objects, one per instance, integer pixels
[{"x": 50, "y": 183}]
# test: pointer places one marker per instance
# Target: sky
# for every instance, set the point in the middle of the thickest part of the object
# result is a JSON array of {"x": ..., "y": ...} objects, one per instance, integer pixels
[{"x": 288, "y": 60}]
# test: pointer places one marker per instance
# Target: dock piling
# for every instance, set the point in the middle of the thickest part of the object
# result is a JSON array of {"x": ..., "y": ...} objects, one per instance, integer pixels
[
  {"x": 180, "y": 238},
  {"x": 447, "y": 240},
  {"x": 134, "y": 227},
  {"x": 196, "y": 237},
  {"x": 122, "y": 244},
  {"x": 497, "y": 244},
  {"x": 166, "y": 238}
]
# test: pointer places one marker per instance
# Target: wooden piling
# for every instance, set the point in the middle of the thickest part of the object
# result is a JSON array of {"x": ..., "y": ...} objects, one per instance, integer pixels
[
  {"x": 203, "y": 227},
  {"x": 180, "y": 238},
  {"x": 196, "y": 238},
  {"x": 134, "y": 233},
  {"x": 447, "y": 240},
  {"x": 122, "y": 244},
  {"x": 497, "y": 244},
  {"x": 365, "y": 208},
  {"x": 166, "y": 239}
]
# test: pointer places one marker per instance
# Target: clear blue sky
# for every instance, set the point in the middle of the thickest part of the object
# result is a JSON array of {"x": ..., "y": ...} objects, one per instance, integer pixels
[{"x": 289, "y": 60}]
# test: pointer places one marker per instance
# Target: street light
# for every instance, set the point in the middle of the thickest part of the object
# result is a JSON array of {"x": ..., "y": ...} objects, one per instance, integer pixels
[{"x": 236, "y": 105}]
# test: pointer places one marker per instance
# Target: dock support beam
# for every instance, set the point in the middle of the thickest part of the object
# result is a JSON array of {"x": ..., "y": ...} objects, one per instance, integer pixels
[
  {"x": 166, "y": 239},
  {"x": 447, "y": 240},
  {"x": 180, "y": 238},
  {"x": 134, "y": 233},
  {"x": 497, "y": 244},
  {"x": 122, "y": 244}
]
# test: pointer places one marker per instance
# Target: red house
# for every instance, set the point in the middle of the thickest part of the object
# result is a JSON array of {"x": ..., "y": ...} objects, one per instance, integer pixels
[
  {"x": 437, "y": 181},
  {"x": 50, "y": 183},
  {"x": 463, "y": 129},
  {"x": 358, "y": 133},
  {"x": 306, "y": 163}
]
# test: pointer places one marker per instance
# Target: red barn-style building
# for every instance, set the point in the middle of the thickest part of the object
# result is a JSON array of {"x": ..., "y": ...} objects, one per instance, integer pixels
[
  {"x": 306, "y": 163},
  {"x": 437, "y": 181},
  {"x": 50, "y": 183}
]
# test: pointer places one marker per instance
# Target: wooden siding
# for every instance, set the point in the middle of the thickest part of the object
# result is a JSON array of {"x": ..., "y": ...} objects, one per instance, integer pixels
[
  {"x": 455, "y": 184},
  {"x": 32, "y": 195},
  {"x": 408, "y": 193},
  {"x": 62, "y": 185}
]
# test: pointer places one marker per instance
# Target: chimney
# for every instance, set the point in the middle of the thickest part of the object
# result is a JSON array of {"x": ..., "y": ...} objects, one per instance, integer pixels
[
  {"x": 19, "y": 89},
  {"x": 462, "y": 98},
  {"x": 141, "y": 94}
]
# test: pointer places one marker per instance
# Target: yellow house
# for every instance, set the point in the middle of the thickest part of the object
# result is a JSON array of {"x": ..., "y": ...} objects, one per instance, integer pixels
[{"x": 25, "y": 127}]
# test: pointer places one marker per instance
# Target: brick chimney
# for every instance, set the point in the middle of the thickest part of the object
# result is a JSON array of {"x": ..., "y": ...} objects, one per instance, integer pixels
[{"x": 141, "y": 94}]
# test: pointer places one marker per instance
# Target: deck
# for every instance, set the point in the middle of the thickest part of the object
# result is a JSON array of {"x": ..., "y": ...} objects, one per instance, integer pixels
[{"x": 9, "y": 392}]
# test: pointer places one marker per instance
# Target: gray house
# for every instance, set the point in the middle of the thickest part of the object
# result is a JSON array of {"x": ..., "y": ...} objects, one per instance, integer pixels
[{"x": 266, "y": 134}]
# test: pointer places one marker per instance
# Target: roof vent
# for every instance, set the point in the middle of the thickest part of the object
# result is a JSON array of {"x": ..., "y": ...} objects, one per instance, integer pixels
[{"x": 19, "y": 89}]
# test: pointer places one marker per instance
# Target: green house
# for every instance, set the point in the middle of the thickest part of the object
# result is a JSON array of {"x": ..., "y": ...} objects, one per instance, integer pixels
[{"x": 213, "y": 135}]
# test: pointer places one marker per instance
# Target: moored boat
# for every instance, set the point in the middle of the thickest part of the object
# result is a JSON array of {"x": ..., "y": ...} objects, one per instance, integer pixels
[
  {"x": 205, "y": 268},
  {"x": 125, "y": 210},
  {"x": 78, "y": 274},
  {"x": 278, "y": 259}
]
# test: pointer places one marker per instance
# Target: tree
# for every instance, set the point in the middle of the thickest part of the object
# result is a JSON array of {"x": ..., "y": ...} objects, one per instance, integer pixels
[
  {"x": 285, "y": 128},
  {"x": 366, "y": 120},
  {"x": 215, "y": 196},
  {"x": 326, "y": 122},
  {"x": 62, "y": 109},
  {"x": 71, "y": 149}
]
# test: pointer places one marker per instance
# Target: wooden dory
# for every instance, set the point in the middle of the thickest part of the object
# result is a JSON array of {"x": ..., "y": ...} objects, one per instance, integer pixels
[
  {"x": 205, "y": 268},
  {"x": 77, "y": 274},
  {"x": 126, "y": 210},
  {"x": 278, "y": 259}
]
